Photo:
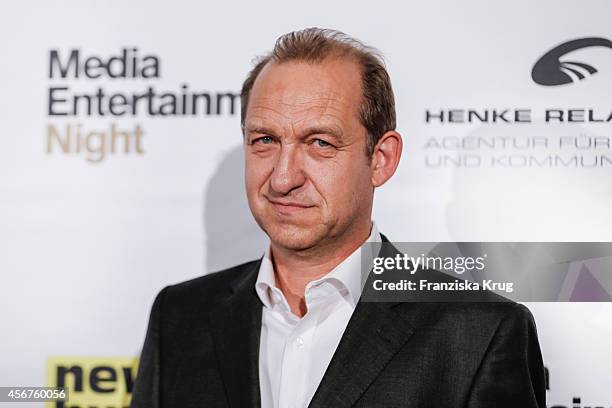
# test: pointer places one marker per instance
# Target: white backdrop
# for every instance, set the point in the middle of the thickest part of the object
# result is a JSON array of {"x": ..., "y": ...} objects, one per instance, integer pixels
[{"x": 85, "y": 246}]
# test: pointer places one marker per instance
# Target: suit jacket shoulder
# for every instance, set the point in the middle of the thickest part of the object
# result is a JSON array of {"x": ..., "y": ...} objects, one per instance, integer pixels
[
  {"x": 205, "y": 292},
  {"x": 184, "y": 361}
]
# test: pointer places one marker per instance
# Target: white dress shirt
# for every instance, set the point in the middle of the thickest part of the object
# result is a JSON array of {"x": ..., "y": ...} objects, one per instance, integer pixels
[{"x": 294, "y": 352}]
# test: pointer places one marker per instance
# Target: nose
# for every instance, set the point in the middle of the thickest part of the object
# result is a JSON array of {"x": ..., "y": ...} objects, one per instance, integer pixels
[{"x": 288, "y": 173}]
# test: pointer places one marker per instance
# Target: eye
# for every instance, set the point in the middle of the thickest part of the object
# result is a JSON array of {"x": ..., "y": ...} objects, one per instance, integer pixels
[
  {"x": 322, "y": 143},
  {"x": 263, "y": 140}
]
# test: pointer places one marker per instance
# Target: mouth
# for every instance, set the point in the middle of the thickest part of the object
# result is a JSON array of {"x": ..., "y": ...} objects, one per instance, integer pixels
[{"x": 288, "y": 207}]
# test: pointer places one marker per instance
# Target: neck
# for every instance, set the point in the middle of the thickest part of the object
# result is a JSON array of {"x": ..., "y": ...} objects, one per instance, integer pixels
[{"x": 295, "y": 269}]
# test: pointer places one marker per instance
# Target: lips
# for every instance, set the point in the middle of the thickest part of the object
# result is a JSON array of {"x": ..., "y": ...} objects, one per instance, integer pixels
[{"x": 289, "y": 207}]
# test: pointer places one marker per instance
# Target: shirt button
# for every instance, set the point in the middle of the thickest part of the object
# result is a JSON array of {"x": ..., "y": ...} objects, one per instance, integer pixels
[{"x": 299, "y": 342}]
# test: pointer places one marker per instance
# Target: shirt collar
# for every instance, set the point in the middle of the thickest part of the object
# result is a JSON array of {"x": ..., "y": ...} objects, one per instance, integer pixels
[{"x": 346, "y": 276}]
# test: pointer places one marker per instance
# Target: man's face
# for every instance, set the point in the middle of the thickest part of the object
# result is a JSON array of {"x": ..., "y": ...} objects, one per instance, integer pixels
[{"x": 308, "y": 179}]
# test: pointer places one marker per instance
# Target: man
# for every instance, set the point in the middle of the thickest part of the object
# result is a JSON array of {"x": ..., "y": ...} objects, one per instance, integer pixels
[{"x": 289, "y": 329}]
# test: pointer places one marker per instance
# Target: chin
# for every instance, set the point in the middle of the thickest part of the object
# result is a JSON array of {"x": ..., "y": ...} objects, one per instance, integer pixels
[{"x": 293, "y": 237}]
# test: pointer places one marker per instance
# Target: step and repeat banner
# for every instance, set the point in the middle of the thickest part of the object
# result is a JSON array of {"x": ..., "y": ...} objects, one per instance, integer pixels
[{"x": 121, "y": 162}]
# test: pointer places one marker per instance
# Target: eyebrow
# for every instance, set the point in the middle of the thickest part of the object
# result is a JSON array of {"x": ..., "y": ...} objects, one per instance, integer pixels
[
  {"x": 333, "y": 131},
  {"x": 258, "y": 129}
]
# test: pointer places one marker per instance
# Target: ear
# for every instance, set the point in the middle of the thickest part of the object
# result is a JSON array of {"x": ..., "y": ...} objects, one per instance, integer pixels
[{"x": 386, "y": 157}]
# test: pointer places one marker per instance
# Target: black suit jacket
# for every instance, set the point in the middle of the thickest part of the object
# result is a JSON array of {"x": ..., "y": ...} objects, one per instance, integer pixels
[{"x": 202, "y": 347}]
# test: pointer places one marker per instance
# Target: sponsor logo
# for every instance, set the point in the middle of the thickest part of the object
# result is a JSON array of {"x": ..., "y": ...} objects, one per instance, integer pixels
[
  {"x": 98, "y": 105},
  {"x": 92, "y": 382},
  {"x": 552, "y": 69},
  {"x": 505, "y": 138}
]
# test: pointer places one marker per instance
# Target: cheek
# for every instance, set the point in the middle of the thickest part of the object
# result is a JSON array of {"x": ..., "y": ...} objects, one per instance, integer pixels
[
  {"x": 342, "y": 185},
  {"x": 255, "y": 174}
]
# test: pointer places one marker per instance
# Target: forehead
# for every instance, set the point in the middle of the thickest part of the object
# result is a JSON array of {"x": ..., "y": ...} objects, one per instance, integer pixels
[{"x": 295, "y": 91}]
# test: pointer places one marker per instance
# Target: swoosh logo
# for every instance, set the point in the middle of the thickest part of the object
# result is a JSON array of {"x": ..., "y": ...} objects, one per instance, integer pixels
[{"x": 551, "y": 70}]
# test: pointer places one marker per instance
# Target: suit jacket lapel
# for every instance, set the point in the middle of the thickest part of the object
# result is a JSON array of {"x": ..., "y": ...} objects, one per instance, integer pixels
[
  {"x": 236, "y": 327},
  {"x": 374, "y": 334},
  {"x": 372, "y": 337}
]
